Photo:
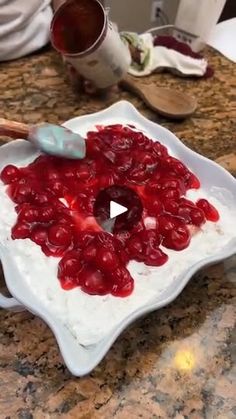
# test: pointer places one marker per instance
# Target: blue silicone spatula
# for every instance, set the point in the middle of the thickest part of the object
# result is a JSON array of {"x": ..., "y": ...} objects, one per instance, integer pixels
[{"x": 49, "y": 138}]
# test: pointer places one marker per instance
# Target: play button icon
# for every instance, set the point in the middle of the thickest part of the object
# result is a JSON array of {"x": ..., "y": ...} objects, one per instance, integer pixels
[{"x": 117, "y": 208}]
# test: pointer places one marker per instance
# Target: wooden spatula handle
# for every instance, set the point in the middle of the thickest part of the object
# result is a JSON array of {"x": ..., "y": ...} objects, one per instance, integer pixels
[{"x": 13, "y": 129}]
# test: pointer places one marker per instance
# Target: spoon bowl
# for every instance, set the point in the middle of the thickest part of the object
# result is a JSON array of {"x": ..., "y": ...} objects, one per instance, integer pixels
[{"x": 170, "y": 103}]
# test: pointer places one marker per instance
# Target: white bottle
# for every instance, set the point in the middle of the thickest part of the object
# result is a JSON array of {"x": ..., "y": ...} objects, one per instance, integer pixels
[{"x": 195, "y": 21}]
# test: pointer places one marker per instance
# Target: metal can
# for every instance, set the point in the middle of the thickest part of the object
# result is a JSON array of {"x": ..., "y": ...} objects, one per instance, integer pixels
[{"x": 83, "y": 34}]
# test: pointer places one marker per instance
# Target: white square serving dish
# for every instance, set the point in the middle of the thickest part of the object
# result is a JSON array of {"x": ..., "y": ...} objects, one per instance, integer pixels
[{"x": 81, "y": 359}]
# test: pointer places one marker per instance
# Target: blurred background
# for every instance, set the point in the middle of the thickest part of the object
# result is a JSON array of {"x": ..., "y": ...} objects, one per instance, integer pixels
[{"x": 144, "y": 14}]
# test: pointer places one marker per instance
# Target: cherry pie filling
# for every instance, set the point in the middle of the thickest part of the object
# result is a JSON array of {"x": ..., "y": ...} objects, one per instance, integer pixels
[{"x": 54, "y": 200}]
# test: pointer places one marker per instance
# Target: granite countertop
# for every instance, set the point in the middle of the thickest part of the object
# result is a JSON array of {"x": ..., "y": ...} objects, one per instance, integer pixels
[{"x": 179, "y": 362}]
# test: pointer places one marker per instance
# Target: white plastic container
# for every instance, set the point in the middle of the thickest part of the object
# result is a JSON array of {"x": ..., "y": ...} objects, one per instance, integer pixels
[
  {"x": 106, "y": 59},
  {"x": 196, "y": 19}
]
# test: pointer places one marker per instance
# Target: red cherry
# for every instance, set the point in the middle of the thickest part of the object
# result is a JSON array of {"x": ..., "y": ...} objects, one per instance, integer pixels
[
  {"x": 177, "y": 239},
  {"x": 106, "y": 260},
  {"x": 73, "y": 186},
  {"x": 123, "y": 283},
  {"x": 123, "y": 257},
  {"x": 46, "y": 214},
  {"x": 195, "y": 182},
  {"x": 41, "y": 199},
  {"x": 122, "y": 237},
  {"x": 160, "y": 150},
  {"x": 141, "y": 141},
  {"x": 20, "y": 231},
  {"x": 173, "y": 183},
  {"x": 138, "y": 174},
  {"x": 93, "y": 281},
  {"x": 39, "y": 235},
  {"x": 60, "y": 235},
  {"x": 69, "y": 173},
  {"x": 146, "y": 159},
  {"x": 124, "y": 163},
  {"x": 106, "y": 180},
  {"x": 85, "y": 204},
  {"x": 120, "y": 143},
  {"x": 138, "y": 227},
  {"x": 10, "y": 174},
  {"x": 52, "y": 175},
  {"x": 209, "y": 210},
  {"x": 64, "y": 218},
  {"x": 154, "y": 206},
  {"x": 197, "y": 217},
  {"x": 50, "y": 250},
  {"x": 89, "y": 253},
  {"x": 83, "y": 172},
  {"x": 153, "y": 187},
  {"x": 171, "y": 206},
  {"x": 150, "y": 237},
  {"x": 110, "y": 156},
  {"x": 70, "y": 265},
  {"x": 57, "y": 188},
  {"x": 93, "y": 146},
  {"x": 170, "y": 194},
  {"x": 186, "y": 203},
  {"x": 107, "y": 241},
  {"x": 135, "y": 247},
  {"x": 123, "y": 291},
  {"x": 84, "y": 238},
  {"x": 155, "y": 257},
  {"x": 120, "y": 275},
  {"x": 185, "y": 212},
  {"x": 22, "y": 193},
  {"x": 20, "y": 207},
  {"x": 177, "y": 166},
  {"x": 68, "y": 283},
  {"x": 166, "y": 223},
  {"x": 25, "y": 177},
  {"x": 191, "y": 181},
  {"x": 29, "y": 214}
]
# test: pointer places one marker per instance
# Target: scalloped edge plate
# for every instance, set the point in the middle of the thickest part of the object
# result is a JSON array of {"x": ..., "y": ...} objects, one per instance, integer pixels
[{"x": 82, "y": 360}]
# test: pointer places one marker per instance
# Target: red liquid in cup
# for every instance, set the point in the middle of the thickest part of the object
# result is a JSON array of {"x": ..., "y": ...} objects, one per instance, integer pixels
[{"x": 78, "y": 26}]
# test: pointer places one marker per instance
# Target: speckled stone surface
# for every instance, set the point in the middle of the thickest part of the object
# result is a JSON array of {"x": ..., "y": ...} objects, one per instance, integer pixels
[{"x": 179, "y": 362}]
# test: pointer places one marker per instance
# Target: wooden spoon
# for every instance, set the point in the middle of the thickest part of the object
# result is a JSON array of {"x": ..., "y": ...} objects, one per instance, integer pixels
[{"x": 167, "y": 102}]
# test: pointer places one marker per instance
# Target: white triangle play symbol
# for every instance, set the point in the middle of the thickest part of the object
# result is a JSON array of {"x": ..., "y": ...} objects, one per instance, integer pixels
[{"x": 116, "y": 209}]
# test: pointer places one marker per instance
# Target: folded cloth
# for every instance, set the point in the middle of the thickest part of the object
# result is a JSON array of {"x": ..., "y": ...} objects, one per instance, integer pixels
[
  {"x": 24, "y": 27},
  {"x": 160, "y": 53}
]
